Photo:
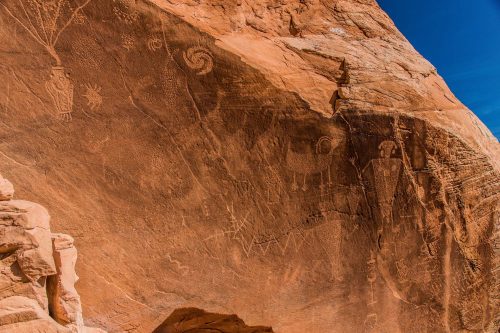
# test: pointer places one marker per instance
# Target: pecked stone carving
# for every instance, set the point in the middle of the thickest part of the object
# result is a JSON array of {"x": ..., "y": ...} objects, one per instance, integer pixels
[
  {"x": 199, "y": 59},
  {"x": 297, "y": 163}
]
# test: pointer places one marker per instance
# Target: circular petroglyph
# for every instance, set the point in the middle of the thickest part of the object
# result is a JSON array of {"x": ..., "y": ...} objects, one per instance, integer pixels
[{"x": 199, "y": 59}]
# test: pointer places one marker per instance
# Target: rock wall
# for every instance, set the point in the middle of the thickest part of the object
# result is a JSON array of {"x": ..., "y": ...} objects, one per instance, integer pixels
[
  {"x": 37, "y": 273},
  {"x": 297, "y": 163}
]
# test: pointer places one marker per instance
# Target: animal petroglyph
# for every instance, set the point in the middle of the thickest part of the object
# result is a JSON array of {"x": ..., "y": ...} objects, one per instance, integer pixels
[
  {"x": 199, "y": 59},
  {"x": 93, "y": 96},
  {"x": 309, "y": 162},
  {"x": 60, "y": 89}
]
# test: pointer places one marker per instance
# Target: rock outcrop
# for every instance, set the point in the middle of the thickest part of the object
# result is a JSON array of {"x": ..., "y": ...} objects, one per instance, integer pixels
[
  {"x": 296, "y": 163},
  {"x": 196, "y": 320},
  {"x": 37, "y": 273}
]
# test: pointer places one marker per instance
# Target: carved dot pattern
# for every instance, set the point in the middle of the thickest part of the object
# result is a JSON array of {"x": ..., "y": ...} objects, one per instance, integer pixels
[
  {"x": 199, "y": 59},
  {"x": 170, "y": 84},
  {"x": 126, "y": 13}
]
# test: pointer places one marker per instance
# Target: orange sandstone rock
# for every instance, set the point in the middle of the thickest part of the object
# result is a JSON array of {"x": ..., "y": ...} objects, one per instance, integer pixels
[{"x": 296, "y": 163}]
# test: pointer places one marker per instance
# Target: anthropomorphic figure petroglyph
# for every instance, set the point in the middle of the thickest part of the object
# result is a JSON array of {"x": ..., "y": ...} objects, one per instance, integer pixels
[
  {"x": 385, "y": 172},
  {"x": 60, "y": 89}
]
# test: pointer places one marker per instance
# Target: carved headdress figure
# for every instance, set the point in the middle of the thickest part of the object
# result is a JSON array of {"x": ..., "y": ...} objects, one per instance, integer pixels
[{"x": 60, "y": 89}]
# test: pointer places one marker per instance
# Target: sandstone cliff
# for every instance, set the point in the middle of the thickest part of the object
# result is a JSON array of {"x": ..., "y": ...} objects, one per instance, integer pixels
[
  {"x": 37, "y": 271},
  {"x": 297, "y": 163}
]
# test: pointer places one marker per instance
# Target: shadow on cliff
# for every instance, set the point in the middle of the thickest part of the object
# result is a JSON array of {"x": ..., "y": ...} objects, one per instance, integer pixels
[{"x": 198, "y": 321}]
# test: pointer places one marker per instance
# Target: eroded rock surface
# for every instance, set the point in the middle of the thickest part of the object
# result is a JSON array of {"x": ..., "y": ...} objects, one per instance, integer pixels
[
  {"x": 297, "y": 163},
  {"x": 37, "y": 273},
  {"x": 64, "y": 301},
  {"x": 196, "y": 320}
]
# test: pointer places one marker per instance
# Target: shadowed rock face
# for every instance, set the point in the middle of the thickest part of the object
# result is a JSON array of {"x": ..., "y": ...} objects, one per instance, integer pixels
[
  {"x": 199, "y": 321},
  {"x": 294, "y": 162}
]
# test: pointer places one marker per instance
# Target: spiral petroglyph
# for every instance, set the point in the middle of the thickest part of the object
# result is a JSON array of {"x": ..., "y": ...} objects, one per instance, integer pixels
[{"x": 199, "y": 59}]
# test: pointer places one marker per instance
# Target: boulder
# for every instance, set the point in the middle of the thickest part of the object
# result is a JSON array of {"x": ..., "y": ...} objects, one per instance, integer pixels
[
  {"x": 24, "y": 315},
  {"x": 6, "y": 189},
  {"x": 37, "y": 273},
  {"x": 64, "y": 301},
  {"x": 196, "y": 320}
]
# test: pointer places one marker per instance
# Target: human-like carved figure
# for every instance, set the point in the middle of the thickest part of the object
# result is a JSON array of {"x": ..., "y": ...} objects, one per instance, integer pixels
[
  {"x": 45, "y": 21},
  {"x": 60, "y": 89},
  {"x": 386, "y": 170}
]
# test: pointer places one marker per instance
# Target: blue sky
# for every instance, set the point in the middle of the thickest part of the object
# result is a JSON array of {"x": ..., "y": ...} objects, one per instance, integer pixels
[{"x": 462, "y": 39}]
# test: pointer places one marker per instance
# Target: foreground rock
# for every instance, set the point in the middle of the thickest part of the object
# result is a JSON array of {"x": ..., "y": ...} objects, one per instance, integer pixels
[
  {"x": 6, "y": 189},
  {"x": 296, "y": 163},
  {"x": 37, "y": 273},
  {"x": 196, "y": 320}
]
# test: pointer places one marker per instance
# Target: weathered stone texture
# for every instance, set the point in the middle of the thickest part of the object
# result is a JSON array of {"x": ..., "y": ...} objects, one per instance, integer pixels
[
  {"x": 296, "y": 163},
  {"x": 37, "y": 272}
]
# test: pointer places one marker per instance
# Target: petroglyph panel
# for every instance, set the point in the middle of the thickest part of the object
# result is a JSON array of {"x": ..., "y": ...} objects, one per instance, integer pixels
[{"x": 193, "y": 177}]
